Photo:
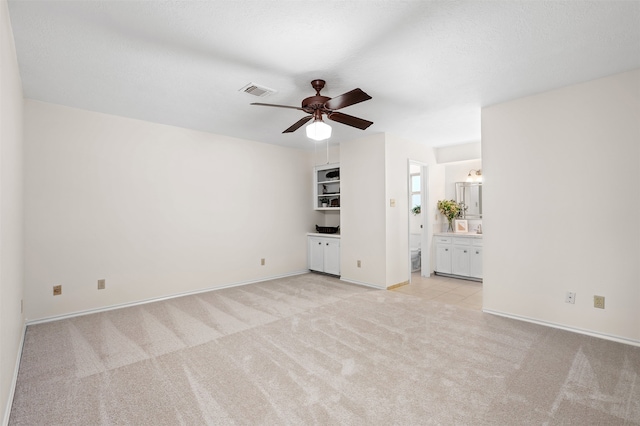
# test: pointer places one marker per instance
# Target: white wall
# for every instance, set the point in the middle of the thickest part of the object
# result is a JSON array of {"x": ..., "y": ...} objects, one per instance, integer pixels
[
  {"x": 458, "y": 172},
  {"x": 398, "y": 153},
  {"x": 324, "y": 153},
  {"x": 373, "y": 171},
  {"x": 459, "y": 152},
  {"x": 362, "y": 211},
  {"x": 155, "y": 210},
  {"x": 11, "y": 211},
  {"x": 573, "y": 222}
]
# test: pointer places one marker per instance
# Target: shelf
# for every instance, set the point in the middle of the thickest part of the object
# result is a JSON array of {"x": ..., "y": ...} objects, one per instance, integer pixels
[{"x": 331, "y": 186}]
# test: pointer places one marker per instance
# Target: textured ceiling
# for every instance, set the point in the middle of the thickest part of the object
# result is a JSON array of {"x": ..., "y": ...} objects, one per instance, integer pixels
[{"x": 429, "y": 65}]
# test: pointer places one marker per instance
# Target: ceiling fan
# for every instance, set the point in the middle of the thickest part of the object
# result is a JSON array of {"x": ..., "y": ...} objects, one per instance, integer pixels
[{"x": 318, "y": 105}]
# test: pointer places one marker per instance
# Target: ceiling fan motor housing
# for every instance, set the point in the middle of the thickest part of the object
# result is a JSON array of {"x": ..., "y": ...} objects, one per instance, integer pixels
[{"x": 314, "y": 102}]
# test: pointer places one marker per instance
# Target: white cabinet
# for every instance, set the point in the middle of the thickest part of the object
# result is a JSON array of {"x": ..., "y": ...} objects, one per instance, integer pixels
[
  {"x": 475, "y": 262},
  {"x": 443, "y": 254},
  {"x": 316, "y": 254},
  {"x": 332, "y": 256},
  {"x": 459, "y": 256},
  {"x": 324, "y": 254},
  {"x": 326, "y": 187},
  {"x": 460, "y": 260}
]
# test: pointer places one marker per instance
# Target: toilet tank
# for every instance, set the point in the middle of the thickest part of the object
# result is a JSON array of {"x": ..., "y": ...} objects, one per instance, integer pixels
[{"x": 414, "y": 241}]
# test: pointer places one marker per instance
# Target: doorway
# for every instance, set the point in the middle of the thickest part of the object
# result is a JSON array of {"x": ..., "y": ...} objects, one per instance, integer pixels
[{"x": 418, "y": 247}]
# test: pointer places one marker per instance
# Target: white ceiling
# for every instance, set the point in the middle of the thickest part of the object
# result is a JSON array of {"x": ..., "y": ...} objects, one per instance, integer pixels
[{"x": 429, "y": 65}]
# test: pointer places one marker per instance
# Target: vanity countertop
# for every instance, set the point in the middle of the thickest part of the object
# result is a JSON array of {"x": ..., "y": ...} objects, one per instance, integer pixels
[
  {"x": 458, "y": 234},
  {"x": 318, "y": 234}
]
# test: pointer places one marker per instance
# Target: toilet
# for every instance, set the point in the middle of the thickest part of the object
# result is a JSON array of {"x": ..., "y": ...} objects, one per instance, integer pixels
[{"x": 414, "y": 246}]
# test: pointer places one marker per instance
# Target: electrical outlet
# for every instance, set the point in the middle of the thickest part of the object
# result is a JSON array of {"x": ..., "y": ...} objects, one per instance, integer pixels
[
  {"x": 57, "y": 290},
  {"x": 598, "y": 302},
  {"x": 102, "y": 284},
  {"x": 262, "y": 261},
  {"x": 570, "y": 298},
  {"x": 359, "y": 264}
]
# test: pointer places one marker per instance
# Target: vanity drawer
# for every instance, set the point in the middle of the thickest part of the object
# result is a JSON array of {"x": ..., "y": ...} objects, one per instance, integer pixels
[
  {"x": 443, "y": 240},
  {"x": 477, "y": 242},
  {"x": 462, "y": 241}
]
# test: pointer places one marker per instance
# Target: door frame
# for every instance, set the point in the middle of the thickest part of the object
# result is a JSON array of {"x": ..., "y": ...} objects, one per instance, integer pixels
[{"x": 425, "y": 246}]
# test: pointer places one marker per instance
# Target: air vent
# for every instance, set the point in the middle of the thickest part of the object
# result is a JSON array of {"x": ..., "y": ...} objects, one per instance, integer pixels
[{"x": 257, "y": 90}]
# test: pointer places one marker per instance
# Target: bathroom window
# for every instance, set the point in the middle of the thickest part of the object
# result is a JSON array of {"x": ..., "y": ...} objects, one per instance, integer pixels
[{"x": 415, "y": 190}]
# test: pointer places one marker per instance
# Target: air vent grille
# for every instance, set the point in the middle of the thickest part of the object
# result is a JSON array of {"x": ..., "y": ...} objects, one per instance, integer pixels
[{"x": 257, "y": 90}]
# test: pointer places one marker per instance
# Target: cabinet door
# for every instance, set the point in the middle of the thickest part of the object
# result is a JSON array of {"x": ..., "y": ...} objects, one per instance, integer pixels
[
  {"x": 316, "y": 254},
  {"x": 476, "y": 262},
  {"x": 460, "y": 260},
  {"x": 332, "y": 256},
  {"x": 443, "y": 258}
]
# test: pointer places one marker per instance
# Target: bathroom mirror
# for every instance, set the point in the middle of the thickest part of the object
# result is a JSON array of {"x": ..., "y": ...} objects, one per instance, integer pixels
[{"x": 469, "y": 194}]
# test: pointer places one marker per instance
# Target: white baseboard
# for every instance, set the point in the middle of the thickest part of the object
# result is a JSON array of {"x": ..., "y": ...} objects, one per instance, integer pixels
[
  {"x": 591, "y": 333},
  {"x": 362, "y": 283},
  {"x": 157, "y": 299},
  {"x": 14, "y": 381}
]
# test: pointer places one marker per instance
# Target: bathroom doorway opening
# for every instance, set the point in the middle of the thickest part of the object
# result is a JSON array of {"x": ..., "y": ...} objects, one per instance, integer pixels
[{"x": 419, "y": 247}]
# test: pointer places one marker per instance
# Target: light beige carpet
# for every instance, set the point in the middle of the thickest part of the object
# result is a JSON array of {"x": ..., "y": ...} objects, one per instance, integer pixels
[{"x": 313, "y": 350}]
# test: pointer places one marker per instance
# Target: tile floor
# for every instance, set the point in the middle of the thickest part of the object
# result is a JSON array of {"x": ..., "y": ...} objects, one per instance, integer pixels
[{"x": 463, "y": 293}]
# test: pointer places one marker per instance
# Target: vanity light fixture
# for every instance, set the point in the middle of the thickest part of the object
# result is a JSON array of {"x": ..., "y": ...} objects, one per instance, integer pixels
[
  {"x": 475, "y": 177},
  {"x": 318, "y": 130}
]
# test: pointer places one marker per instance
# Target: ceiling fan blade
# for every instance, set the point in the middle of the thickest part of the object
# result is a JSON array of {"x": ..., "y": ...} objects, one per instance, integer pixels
[
  {"x": 279, "y": 106},
  {"x": 349, "y": 120},
  {"x": 298, "y": 124},
  {"x": 353, "y": 97}
]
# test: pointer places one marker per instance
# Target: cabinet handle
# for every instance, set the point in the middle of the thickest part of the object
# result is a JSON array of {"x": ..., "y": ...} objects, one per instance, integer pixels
[
  {"x": 446, "y": 249},
  {"x": 465, "y": 251},
  {"x": 327, "y": 243},
  {"x": 477, "y": 252},
  {"x": 319, "y": 244}
]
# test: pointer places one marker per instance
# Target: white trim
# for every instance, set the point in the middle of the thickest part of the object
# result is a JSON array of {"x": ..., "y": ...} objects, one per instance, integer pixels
[
  {"x": 14, "y": 381},
  {"x": 426, "y": 230},
  {"x": 591, "y": 333},
  {"x": 157, "y": 299},
  {"x": 426, "y": 245},
  {"x": 362, "y": 283}
]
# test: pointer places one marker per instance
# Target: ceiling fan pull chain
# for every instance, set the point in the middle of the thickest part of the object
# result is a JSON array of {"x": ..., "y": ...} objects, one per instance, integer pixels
[{"x": 327, "y": 151}]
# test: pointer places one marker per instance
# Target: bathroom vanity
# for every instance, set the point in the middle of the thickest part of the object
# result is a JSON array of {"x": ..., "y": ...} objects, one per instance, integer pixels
[{"x": 459, "y": 255}]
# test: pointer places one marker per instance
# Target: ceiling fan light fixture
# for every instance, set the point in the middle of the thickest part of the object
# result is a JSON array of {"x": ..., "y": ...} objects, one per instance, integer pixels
[{"x": 318, "y": 130}]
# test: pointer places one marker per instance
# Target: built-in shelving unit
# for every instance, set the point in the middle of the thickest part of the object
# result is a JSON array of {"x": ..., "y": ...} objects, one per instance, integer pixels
[{"x": 326, "y": 187}]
